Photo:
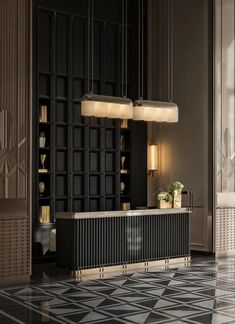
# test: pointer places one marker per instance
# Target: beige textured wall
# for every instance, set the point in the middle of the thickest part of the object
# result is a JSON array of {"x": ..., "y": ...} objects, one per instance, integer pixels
[{"x": 185, "y": 147}]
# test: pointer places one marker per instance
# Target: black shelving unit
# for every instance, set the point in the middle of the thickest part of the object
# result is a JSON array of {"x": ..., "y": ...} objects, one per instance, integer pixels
[
  {"x": 125, "y": 171},
  {"x": 83, "y": 154}
]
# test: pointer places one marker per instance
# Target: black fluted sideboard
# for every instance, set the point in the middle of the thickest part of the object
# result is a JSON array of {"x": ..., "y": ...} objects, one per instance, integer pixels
[{"x": 121, "y": 238}]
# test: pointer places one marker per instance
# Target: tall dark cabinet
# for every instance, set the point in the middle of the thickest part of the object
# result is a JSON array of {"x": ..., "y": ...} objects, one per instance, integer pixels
[{"x": 77, "y": 160}]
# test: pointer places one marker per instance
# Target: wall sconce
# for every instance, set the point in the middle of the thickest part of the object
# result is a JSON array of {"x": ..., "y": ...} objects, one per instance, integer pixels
[{"x": 152, "y": 159}]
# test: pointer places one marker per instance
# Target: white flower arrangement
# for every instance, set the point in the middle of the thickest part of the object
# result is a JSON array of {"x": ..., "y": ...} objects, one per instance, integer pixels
[
  {"x": 163, "y": 195},
  {"x": 176, "y": 185}
]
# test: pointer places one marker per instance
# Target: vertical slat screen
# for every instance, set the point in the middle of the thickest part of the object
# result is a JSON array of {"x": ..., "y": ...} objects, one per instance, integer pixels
[{"x": 110, "y": 241}]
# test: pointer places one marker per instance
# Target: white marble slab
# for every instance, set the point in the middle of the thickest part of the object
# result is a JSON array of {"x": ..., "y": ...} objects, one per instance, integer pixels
[{"x": 120, "y": 213}]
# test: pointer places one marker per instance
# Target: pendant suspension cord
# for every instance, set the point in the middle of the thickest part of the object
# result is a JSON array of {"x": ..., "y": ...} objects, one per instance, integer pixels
[
  {"x": 92, "y": 45},
  {"x": 139, "y": 95},
  {"x": 142, "y": 49},
  {"x": 168, "y": 51},
  {"x": 126, "y": 65},
  {"x": 123, "y": 20},
  {"x": 88, "y": 44},
  {"x": 172, "y": 49}
]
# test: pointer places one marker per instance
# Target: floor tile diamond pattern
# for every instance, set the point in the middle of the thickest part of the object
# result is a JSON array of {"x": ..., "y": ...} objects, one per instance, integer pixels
[{"x": 203, "y": 292}]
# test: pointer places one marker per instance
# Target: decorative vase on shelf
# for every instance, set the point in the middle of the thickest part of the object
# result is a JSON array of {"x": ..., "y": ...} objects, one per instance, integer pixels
[
  {"x": 41, "y": 187},
  {"x": 122, "y": 143},
  {"x": 42, "y": 140},
  {"x": 122, "y": 187},
  {"x": 123, "y": 158}
]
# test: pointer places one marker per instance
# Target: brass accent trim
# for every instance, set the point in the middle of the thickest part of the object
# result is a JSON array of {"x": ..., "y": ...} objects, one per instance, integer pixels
[
  {"x": 132, "y": 266},
  {"x": 42, "y": 170}
]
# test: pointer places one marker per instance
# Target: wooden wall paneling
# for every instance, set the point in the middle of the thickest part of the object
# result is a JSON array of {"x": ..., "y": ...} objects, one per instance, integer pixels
[{"x": 15, "y": 168}]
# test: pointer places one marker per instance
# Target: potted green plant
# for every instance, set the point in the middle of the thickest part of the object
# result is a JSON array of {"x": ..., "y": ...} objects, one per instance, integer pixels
[
  {"x": 176, "y": 190},
  {"x": 164, "y": 199}
]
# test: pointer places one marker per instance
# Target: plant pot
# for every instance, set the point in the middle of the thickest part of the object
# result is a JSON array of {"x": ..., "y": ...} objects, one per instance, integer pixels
[
  {"x": 164, "y": 204},
  {"x": 177, "y": 199}
]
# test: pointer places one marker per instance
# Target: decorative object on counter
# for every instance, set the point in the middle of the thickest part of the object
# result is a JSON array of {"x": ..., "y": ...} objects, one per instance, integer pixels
[
  {"x": 164, "y": 199},
  {"x": 44, "y": 215},
  {"x": 152, "y": 158},
  {"x": 42, "y": 140},
  {"x": 122, "y": 143},
  {"x": 125, "y": 206},
  {"x": 43, "y": 114},
  {"x": 42, "y": 159},
  {"x": 122, "y": 187},
  {"x": 176, "y": 191},
  {"x": 124, "y": 123},
  {"x": 41, "y": 187}
]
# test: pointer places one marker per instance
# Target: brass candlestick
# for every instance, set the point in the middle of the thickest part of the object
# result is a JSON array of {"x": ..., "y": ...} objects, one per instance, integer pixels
[{"x": 42, "y": 159}]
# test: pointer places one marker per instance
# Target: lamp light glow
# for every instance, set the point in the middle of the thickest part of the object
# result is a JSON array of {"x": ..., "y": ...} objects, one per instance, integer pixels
[
  {"x": 106, "y": 106},
  {"x": 155, "y": 111},
  {"x": 152, "y": 158}
]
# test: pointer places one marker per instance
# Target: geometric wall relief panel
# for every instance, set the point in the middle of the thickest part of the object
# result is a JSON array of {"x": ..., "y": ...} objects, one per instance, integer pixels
[
  {"x": 225, "y": 158},
  {"x": 12, "y": 158}
]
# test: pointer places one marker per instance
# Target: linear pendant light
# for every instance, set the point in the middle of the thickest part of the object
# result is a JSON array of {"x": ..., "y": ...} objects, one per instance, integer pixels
[
  {"x": 101, "y": 105},
  {"x": 106, "y": 106},
  {"x": 155, "y": 111}
]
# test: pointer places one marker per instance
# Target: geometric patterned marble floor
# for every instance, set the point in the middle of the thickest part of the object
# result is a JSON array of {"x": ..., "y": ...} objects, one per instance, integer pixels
[{"x": 203, "y": 292}]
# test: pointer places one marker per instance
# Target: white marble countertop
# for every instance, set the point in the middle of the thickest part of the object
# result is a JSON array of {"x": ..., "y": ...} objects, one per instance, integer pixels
[{"x": 120, "y": 213}]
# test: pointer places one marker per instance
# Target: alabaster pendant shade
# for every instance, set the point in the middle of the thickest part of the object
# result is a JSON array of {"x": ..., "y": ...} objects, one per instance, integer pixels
[
  {"x": 155, "y": 111},
  {"x": 106, "y": 106}
]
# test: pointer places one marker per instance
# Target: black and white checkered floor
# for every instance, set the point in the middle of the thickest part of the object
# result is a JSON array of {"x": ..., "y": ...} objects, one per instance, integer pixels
[{"x": 203, "y": 292}]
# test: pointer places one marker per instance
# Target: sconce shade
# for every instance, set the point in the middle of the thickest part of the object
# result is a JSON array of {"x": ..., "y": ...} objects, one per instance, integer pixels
[
  {"x": 155, "y": 111},
  {"x": 152, "y": 157},
  {"x": 106, "y": 106}
]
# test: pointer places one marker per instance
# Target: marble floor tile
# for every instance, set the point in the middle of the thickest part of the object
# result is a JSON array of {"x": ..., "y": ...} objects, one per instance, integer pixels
[{"x": 203, "y": 292}]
